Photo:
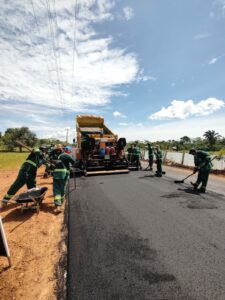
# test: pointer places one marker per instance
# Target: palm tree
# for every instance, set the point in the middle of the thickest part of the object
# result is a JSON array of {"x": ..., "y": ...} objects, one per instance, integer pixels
[{"x": 211, "y": 137}]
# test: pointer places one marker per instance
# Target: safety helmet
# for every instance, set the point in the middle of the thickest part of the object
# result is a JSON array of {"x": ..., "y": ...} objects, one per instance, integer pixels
[{"x": 68, "y": 149}]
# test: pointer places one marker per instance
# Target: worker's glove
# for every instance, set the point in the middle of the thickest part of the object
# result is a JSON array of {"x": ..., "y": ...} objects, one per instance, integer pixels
[{"x": 195, "y": 170}]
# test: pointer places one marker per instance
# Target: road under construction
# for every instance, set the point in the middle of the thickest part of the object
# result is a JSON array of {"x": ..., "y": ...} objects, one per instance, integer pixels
[{"x": 136, "y": 236}]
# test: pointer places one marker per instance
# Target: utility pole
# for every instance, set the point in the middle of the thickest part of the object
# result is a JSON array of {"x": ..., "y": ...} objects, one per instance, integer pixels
[{"x": 67, "y": 134}]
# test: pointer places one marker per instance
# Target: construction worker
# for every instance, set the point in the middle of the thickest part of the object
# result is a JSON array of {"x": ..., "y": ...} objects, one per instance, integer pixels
[
  {"x": 61, "y": 176},
  {"x": 129, "y": 151},
  {"x": 135, "y": 156},
  {"x": 52, "y": 155},
  {"x": 150, "y": 157},
  {"x": 27, "y": 175},
  {"x": 203, "y": 166},
  {"x": 158, "y": 157}
]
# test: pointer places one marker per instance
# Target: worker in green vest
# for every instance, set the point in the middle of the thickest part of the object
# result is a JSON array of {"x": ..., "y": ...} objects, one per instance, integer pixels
[
  {"x": 150, "y": 157},
  {"x": 53, "y": 154},
  {"x": 135, "y": 156},
  {"x": 129, "y": 151},
  {"x": 158, "y": 158},
  {"x": 60, "y": 177},
  {"x": 203, "y": 166},
  {"x": 27, "y": 175}
]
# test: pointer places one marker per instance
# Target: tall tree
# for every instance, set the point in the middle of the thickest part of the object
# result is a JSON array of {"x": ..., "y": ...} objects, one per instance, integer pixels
[
  {"x": 27, "y": 137},
  {"x": 10, "y": 137},
  {"x": 23, "y": 134},
  {"x": 211, "y": 137},
  {"x": 185, "y": 140}
]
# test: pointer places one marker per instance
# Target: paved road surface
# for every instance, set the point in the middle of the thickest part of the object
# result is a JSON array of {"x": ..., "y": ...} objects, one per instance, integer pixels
[{"x": 140, "y": 237}]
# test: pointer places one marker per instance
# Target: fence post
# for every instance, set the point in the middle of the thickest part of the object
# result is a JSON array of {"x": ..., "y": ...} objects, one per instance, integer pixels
[
  {"x": 182, "y": 161},
  {"x": 164, "y": 159}
]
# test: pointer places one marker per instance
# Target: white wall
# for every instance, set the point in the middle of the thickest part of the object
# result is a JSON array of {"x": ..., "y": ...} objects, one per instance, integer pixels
[{"x": 176, "y": 157}]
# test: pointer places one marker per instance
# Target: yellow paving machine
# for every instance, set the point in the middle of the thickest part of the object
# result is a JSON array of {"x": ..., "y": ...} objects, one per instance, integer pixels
[{"x": 99, "y": 151}]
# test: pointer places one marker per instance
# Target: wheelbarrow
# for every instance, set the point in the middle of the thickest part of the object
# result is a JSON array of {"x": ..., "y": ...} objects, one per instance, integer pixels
[{"x": 31, "y": 199}]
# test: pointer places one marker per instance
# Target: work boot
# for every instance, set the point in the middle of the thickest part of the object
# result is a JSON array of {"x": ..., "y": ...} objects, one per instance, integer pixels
[
  {"x": 158, "y": 175},
  {"x": 201, "y": 190},
  {"x": 58, "y": 209},
  {"x": 195, "y": 185}
]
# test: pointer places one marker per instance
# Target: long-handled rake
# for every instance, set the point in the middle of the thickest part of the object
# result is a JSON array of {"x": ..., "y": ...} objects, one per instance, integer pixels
[{"x": 182, "y": 181}]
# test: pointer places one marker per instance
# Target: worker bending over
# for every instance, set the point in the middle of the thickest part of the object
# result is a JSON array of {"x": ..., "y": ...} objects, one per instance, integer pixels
[
  {"x": 52, "y": 155},
  {"x": 61, "y": 176},
  {"x": 27, "y": 175},
  {"x": 203, "y": 166},
  {"x": 158, "y": 157}
]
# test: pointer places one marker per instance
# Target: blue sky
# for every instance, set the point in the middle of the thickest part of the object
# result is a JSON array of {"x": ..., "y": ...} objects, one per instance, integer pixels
[{"x": 153, "y": 68}]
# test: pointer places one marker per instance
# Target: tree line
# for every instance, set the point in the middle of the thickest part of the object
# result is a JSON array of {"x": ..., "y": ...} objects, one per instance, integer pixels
[
  {"x": 26, "y": 136},
  {"x": 210, "y": 141}
]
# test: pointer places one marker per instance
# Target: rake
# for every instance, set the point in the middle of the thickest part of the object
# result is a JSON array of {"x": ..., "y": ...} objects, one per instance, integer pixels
[{"x": 182, "y": 181}]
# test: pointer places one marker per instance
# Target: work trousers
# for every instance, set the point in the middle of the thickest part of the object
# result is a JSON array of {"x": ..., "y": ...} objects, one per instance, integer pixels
[
  {"x": 23, "y": 178},
  {"x": 203, "y": 175},
  {"x": 60, "y": 181},
  {"x": 159, "y": 166},
  {"x": 150, "y": 161},
  {"x": 59, "y": 186}
]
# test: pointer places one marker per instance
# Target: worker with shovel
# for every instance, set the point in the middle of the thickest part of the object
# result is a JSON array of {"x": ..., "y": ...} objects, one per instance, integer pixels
[
  {"x": 27, "y": 175},
  {"x": 203, "y": 166}
]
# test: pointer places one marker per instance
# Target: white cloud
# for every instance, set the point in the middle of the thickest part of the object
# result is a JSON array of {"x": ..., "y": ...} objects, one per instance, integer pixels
[
  {"x": 201, "y": 36},
  {"x": 119, "y": 114},
  {"x": 128, "y": 12},
  {"x": 131, "y": 124},
  {"x": 184, "y": 109},
  {"x": 35, "y": 74},
  {"x": 142, "y": 77},
  {"x": 123, "y": 124},
  {"x": 215, "y": 59},
  {"x": 218, "y": 8},
  {"x": 173, "y": 129}
]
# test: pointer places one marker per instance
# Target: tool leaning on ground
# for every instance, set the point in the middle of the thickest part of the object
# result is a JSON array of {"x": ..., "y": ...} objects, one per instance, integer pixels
[{"x": 182, "y": 181}]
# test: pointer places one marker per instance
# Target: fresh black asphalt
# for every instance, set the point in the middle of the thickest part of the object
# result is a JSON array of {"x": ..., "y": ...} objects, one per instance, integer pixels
[{"x": 136, "y": 236}]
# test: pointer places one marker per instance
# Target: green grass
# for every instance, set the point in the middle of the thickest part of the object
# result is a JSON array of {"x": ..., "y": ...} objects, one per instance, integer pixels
[{"x": 11, "y": 160}]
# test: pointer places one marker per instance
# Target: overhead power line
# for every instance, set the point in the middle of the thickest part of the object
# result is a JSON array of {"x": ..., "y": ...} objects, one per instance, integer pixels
[
  {"x": 52, "y": 39},
  {"x": 74, "y": 50},
  {"x": 58, "y": 48},
  {"x": 45, "y": 54}
]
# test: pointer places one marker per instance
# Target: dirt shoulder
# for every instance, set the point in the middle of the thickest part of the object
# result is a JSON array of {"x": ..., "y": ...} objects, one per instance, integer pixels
[{"x": 36, "y": 243}]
